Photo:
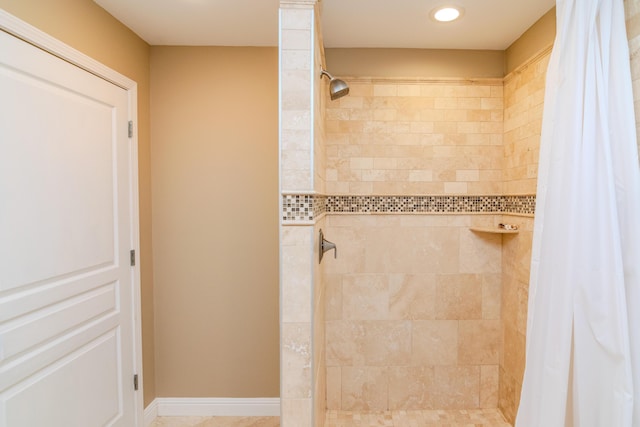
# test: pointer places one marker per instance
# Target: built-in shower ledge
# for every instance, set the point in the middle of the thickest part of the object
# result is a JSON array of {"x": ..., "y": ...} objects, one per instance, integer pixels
[{"x": 494, "y": 230}]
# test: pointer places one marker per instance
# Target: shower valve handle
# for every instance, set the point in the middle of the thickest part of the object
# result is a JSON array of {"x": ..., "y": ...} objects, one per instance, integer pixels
[{"x": 325, "y": 245}]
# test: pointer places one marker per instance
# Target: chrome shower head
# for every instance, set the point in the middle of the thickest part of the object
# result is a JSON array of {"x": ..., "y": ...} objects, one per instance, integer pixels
[{"x": 337, "y": 88}]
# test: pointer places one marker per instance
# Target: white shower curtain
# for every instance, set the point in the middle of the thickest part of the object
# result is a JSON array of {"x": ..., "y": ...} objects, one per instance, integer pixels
[{"x": 583, "y": 330}]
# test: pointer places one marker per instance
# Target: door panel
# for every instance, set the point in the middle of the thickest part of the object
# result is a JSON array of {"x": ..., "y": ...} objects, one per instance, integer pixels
[
  {"x": 66, "y": 311},
  {"x": 55, "y": 127},
  {"x": 74, "y": 377},
  {"x": 53, "y": 321}
]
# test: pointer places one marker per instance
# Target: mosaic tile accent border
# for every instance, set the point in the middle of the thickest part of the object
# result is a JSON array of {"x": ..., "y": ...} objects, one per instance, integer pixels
[
  {"x": 307, "y": 207},
  {"x": 413, "y": 204},
  {"x": 519, "y": 204},
  {"x": 301, "y": 207},
  {"x": 320, "y": 205}
]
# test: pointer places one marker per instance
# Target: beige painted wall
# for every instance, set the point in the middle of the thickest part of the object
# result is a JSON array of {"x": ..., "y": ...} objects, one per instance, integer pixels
[
  {"x": 85, "y": 26},
  {"x": 415, "y": 63},
  {"x": 215, "y": 203},
  {"x": 445, "y": 63},
  {"x": 538, "y": 37}
]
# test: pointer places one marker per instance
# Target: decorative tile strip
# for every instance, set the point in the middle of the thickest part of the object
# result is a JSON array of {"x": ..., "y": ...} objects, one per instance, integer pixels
[
  {"x": 298, "y": 207},
  {"x": 307, "y": 207},
  {"x": 519, "y": 204},
  {"x": 319, "y": 205},
  {"x": 413, "y": 204}
]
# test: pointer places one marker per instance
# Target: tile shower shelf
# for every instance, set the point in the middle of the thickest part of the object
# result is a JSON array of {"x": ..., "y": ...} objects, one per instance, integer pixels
[{"x": 494, "y": 230}]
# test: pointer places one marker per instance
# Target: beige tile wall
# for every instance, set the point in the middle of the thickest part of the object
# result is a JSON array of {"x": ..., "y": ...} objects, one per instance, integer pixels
[
  {"x": 516, "y": 258},
  {"x": 296, "y": 125},
  {"x": 319, "y": 367},
  {"x": 524, "y": 100},
  {"x": 295, "y": 329},
  {"x": 524, "y": 97},
  {"x": 632, "y": 12},
  {"x": 321, "y": 89},
  {"x": 404, "y": 308},
  {"x": 319, "y": 327},
  {"x": 301, "y": 150},
  {"x": 413, "y": 312},
  {"x": 302, "y": 169},
  {"x": 413, "y": 305},
  {"x": 416, "y": 137}
]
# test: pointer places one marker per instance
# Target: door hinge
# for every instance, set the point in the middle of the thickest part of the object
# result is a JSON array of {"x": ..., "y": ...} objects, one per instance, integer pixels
[
  {"x": 130, "y": 128},
  {"x": 132, "y": 257},
  {"x": 135, "y": 382}
]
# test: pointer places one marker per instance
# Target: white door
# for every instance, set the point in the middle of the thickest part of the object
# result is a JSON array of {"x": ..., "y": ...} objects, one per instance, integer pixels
[{"x": 66, "y": 283}]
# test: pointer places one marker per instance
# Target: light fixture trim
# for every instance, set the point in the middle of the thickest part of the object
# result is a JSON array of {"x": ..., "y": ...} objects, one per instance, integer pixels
[{"x": 447, "y": 13}]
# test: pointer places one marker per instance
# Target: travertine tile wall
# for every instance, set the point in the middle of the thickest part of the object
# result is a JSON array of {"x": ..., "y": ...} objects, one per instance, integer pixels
[
  {"x": 416, "y": 137},
  {"x": 516, "y": 259},
  {"x": 410, "y": 295},
  {"x": 632, "y": 12},
  {"x": 524, "y": 99},
  {"x": 413, "y": 301},
  {"x": 295, "y": 329},
  {"x": 524, "y": 96},
  {"x": 320, "y": 91},
  {"x": 523, "y": 104},
  {"x": 413, "y": 312},
  {"x": 296, "y": 126},
  {"x": 320, "y": 88},
  {"x": 318, "y": 303},
  {"x": 301, "y": 153}
]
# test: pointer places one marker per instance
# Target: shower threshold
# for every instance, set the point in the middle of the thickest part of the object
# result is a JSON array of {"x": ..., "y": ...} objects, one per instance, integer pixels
[{"x": 417, "y": 418}]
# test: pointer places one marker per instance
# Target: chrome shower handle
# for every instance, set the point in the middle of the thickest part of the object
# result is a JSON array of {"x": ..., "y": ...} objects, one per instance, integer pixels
[{"x": 325, "y": 245}]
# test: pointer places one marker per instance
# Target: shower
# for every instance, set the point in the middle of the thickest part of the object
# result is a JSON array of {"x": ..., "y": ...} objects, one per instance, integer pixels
[{"x": 337, "y": 88}]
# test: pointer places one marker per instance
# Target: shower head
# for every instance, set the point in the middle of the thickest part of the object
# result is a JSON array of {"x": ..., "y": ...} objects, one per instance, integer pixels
[{"x": 337, "y": 88}]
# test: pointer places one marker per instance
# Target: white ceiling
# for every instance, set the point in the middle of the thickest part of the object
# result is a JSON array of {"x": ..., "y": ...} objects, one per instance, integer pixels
[{"x": 486, "y": 24}]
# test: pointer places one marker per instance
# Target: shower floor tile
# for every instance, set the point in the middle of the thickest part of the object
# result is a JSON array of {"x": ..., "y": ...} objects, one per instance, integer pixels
[{"x": 425, "y": 418}]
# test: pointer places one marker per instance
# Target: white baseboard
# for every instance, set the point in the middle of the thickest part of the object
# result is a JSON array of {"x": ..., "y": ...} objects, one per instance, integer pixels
[
  {"x": 211, "y": 407},
  {"x": 150, "y": 413}
]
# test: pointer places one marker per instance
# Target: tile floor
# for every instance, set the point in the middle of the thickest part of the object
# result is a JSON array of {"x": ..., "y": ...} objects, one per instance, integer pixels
[
  {"x": 216, "y": 422},
  {"x": 425, "y": 418}
]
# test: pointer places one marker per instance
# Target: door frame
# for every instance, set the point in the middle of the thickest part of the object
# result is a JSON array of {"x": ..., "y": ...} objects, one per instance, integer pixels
[{"x": 44, "y": 41}]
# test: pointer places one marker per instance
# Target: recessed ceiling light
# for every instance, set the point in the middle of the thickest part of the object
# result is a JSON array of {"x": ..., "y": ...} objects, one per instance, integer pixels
[{"x": 446, "y": 13}]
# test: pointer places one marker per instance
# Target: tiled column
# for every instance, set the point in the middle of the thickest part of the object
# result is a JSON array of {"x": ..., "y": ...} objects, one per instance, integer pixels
[{"x": 299, "y": 84}]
